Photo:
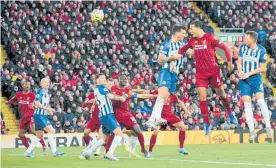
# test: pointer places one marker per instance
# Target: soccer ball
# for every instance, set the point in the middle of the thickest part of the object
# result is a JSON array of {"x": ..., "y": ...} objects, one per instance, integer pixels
[{"x": 97, "y": 15}]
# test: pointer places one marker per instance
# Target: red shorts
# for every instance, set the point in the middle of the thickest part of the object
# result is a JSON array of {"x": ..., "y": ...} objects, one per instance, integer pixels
[
  {"x": 26, "y": 123},
  {"x": 93, "y": 124},
  {"x": 213, "y": 77},
  {"x": 171, "y": 118},
  {"x": 126, "y": 119}
]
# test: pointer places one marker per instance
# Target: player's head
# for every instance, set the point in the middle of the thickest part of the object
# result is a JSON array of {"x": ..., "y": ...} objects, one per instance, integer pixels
[
  {"x": 110, "y": 83},
  {"x": 26, "y": 86},
  {"x": 123, "y": 81},
  {"x": 196, "y": 27},
  {"x": 179, "y": 31},
  {"x": 251, "y": 37},
  {"x": 100, "y": 79},
  {"x": 45, "y": 83}
]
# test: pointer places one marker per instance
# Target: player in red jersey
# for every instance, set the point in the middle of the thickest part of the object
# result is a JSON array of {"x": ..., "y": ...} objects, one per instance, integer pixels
[
  {"x": 207, "y": 69},
  {"x": 93, "y": 125},
  {"x": 122, "y": 111},
  {"x": 26, "y": 105},
  {"x": 172, "y": 120}
]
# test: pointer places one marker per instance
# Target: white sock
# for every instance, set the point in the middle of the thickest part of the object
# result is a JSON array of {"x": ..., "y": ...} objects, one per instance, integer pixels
[
  {"x": 96, "y": 145},
  {"x": 52, "y": 142},
  {"x": 249, "y": 116},
  {"x": 126, "y": 140},
  {"x": 116, "y": 142},
  {"x": 98, "y": 151},
  {"x": 265, "y": 112},
  {"x": 34, "y": 141},
  {"x": 157, "y": 109},
  {"x": 133, "y": 144},
  {"x": 91, "y": 143}
]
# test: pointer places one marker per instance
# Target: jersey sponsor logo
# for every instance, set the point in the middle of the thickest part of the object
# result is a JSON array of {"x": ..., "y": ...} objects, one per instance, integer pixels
[
  {"x": 200, "y": 47},
  {"x": 164, "y": 82}
]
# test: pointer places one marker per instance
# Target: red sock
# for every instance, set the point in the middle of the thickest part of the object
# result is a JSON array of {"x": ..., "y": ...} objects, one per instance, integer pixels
[
  {"x": 141, "y": 140},
  {"x": 86, "y": 139},
  {"x": 182, "y": 136},
  {"x": 25, "y": 141},
  {"x": 226, "y": 103},
  {"x": 152, "y": 142},
  {"x": 42, "y": 142},
  {"x": 108, "y": 143},
  {"x": 204, "y": 111}
]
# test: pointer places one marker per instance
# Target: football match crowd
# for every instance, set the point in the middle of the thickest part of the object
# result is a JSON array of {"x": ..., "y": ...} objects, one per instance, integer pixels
[{"x": 58, "y": 39}]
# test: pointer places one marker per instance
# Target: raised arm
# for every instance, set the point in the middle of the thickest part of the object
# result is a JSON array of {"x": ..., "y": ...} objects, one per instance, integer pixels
[{"x": 116, "y": 97}]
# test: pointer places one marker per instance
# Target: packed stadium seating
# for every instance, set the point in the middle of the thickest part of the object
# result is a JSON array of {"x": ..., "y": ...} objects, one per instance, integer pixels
[{"x": 57, "y": 39}]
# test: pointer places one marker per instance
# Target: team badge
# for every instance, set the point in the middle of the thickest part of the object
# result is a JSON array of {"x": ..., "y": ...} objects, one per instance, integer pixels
[{"x": 164, "y": 82}]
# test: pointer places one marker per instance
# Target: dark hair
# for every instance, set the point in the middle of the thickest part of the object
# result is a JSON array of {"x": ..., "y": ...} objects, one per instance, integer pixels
[
  {"x": 252, "y": 34},
  {"x": 178, "y": 28},
  {"x": 99, "y": 75},
  {"x": 197, "y": 24},
  {"x": 26, "y": 81}
]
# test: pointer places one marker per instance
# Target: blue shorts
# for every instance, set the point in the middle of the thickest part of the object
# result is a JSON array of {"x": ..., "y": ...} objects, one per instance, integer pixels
[
  {"x": 253, "y": 84},
  {"x": 167, "y": 79},
  {"x": 109, "y": 124},
  {"x": 41, "y": 121}
]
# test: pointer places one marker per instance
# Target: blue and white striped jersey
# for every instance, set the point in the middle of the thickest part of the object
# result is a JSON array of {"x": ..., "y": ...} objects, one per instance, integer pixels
[
  {"x": 42, "y": 96},
  {"x": 251, "y": 58},
  {"x": 169, "y": 48},
  {"x": 103, "y": 102}
]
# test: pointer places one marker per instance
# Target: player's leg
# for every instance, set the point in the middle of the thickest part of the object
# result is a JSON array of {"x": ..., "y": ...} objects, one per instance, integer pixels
[
  {"x": 153, "y": 140},
  {"x": 34, "y": 141},
  {"x": 246, "y": 92},
  {"x": 164, "y": 83},
  {"x": 52, "y": 140},
  {"x": 23, "y": 138},
  {"x": 42, "y": 142},
  {"x": 202, "y": 91},
  {"x": 136, "y": 129},
  {"x": 182, "y": 136},
  {"x": 258, "y": 90},
  {"x": 86, "y": 136}
]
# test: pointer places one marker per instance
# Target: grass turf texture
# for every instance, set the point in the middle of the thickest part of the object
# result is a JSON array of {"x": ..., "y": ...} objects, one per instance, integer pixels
[{"x": 215, "y": 156}]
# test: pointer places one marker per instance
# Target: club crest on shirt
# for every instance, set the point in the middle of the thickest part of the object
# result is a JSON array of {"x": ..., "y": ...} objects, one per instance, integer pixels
[
  {"x": 164, "y": 82},
  {"x": 105, "y": 89}
]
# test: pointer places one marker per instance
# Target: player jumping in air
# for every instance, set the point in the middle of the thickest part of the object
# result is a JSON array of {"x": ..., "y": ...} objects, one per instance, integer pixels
[
  {"x": 124, "y": 116},
  {"x": 26, "y": 105},
  {"x": 107, "y": 118},
  {"x": 41, "y": 121},
  {"x": 167, "y": 76},
  {"x": 252, "y": 62},
  {"x": 207, "y": 69}
]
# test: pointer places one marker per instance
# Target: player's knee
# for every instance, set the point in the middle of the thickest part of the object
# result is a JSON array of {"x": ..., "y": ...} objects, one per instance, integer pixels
[
  {"x": 137, "y": 129},
  {"x": 202, "y": 98},
  {"x": 86, "y": 132},
  {"x": 155, "y": 132},
  {"x": 20, "y": 135}
]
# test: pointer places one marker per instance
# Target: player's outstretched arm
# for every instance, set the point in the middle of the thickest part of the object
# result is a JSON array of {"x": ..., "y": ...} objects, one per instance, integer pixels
[
  {"x": 217, "y": 43},
  {"x": 141, "y": 91},
  {"x": 12, "y": 100},
  {"x": 116, "y": 97},
  {"x": 49, "y": 109},
  {"x": 146, "y": 96},
  {"x": 261, "y": 69}
]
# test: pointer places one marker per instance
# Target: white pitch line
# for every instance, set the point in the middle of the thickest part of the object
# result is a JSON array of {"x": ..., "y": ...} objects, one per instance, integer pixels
[{"x": 182, "y": 160}]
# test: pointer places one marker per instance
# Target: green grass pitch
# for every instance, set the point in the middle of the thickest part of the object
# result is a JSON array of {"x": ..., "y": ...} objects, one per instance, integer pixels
[{"x": 215, "y": 156}]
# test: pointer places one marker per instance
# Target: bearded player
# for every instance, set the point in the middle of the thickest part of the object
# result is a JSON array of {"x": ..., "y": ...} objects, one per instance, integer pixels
[
  {"x": 122, "y": 111},
  {"x": 26, "y": 105},
  {"x": 207, "y": 69}
]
